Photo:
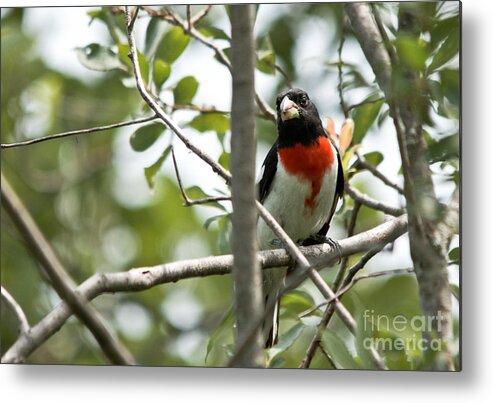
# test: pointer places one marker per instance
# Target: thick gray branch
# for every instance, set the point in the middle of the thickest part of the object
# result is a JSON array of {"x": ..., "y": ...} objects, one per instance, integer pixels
[
  {"x": 371, "y": 42},
  {"x": 147, "y": 277},
  {"x": 246, "y": 271}
]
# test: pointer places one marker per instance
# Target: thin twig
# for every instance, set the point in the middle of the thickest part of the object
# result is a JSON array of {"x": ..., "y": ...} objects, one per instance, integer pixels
[
  {"x": 189, "y": 19},
  {"x": 60, "y": 279},
  {"x": 366, "y": 200},
  {"x": 366, "y": 102},
  {"x": 339, "y": 67},
  {"x": 201, "y": 14},
  {"x": 82, "y": 131},
  {"x": 189, "y": 202},
  {"x": 16, "y": 309},
  {"x": 350, "y": 283},
  {"x": 363, "y": 163},
  {"x": 329, "y": 312},
  {"x": 198, "y": 108},
  {"x": 343, "y": 290}
]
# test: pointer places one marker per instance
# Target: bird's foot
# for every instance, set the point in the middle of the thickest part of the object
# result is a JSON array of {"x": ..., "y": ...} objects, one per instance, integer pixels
[
  {"x": 318, "y": 239},
  {"x": 277, "y": 243}
]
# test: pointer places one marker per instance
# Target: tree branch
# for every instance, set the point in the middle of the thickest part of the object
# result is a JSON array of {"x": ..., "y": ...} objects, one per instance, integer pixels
[
  {"x": 366, "y": 200},
  {"x": 77, "y": 132},
  {"x": 16, "y": 310},
  {"x": 363, "y": 163},
  {"x": 60, "y": 279},
  {"x": 189, "y": 202},
  {"x": 147, "y": 277},
  {"x": 246, "y": 272}
]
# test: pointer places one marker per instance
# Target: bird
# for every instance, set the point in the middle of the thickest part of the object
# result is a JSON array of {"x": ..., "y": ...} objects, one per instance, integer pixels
[{"x": 300, "y": 183}]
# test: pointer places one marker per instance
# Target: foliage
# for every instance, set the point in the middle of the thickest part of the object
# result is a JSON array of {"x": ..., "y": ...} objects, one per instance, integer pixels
[{"x": 80, "y": 189}]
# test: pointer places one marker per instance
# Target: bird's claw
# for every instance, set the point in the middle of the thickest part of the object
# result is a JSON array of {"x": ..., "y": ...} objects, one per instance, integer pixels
[{"x": 319, "y": 239}]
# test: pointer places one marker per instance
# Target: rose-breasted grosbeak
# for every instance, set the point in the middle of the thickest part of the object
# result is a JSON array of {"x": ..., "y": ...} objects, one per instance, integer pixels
[{"x": 300, "y": 184}]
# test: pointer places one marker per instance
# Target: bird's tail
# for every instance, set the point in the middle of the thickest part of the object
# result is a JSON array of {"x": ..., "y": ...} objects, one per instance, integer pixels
[{"x": 272, "y": 282}]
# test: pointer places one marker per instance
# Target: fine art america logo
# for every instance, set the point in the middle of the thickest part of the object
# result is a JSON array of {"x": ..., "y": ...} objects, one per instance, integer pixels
[{"x": 419, "y": 324}]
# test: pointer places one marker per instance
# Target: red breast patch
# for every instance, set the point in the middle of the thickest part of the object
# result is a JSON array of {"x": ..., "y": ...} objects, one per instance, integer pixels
[{"x": 310, "y": 163}]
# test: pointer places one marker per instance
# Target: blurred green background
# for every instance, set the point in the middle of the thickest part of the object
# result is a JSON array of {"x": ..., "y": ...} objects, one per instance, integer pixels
[{"x": 103, "y": 212}]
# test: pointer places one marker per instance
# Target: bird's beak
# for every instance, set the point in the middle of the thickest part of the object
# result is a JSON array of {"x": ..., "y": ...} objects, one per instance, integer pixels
[{"x": 289, "y": 110}]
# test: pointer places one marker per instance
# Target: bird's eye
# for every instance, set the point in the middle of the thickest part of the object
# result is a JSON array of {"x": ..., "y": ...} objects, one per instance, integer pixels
[{"x": 303, "y": 100}]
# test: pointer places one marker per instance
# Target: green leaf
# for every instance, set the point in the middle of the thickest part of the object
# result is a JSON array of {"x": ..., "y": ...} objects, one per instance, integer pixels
[
  {"x": 145, "y": 136},
  {"x": 410, "y": 52},
  {"x": 338, "y": 350},
  {"x": 225, "y": 325},
  {"x": 151, "y": 171},
  {"x": 173, "y": 44},
  {"x": 227, "y": 53},
  {"x": 447, "y": 51},
  {"x": 98, "y": 57},
  {"x": 454, "y": 255},
  {"x": 295, "y": 302},
  {"x": 444, "y": 149},
  {"x": 277, "y": 362},
  {"x": 210, "y": 220},
  {"x": 124, "y": 51},
  {"x": 154, "y": 33},
  {"x": 195, "y": 193},
  {"x": 287, "y": 340},
  {"x": 450, "y": 82},
  {"x": 213, "y": 32},
  {"x": 442, "y": 29},
  {"x": 204, "y": 122},
  {"x": 161, "y": 72},
  {"x": 224, "y": 160},
  {"x": 364, "y": 116},
  {"x": 185, "y": 90},
  {"x": 266, "y": 58},
  {"x": 374, "y": 158}
]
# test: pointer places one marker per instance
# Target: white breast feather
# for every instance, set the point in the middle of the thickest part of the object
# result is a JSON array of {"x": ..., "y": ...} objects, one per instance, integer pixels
[{"x": 286, "y": 202}]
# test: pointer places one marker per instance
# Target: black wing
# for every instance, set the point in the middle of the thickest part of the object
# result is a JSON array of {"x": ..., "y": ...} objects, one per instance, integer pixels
[
  {"x": 338, "y": 194},
  {"x": 270, "y": 168}
]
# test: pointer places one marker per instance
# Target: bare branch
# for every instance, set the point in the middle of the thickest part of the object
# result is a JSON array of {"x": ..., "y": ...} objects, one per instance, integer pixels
[
  {"x": 82, "y": 131},
  {"x": 363, "y": 163},
  {"x": 339, "y": 67},
  {"x": 147, "y": 277},
  {"x": 368, "y": 101},
  {"x": 61, "y": 281},
  {"x": 16, "y": 310},
  {"x": 188, "y": 201},
  {"x": 201, "y": 14},
  {"x": 371, "y": 42},
  {"x": 246, "y": 272},
  {"x": 366, "y": 200}
]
